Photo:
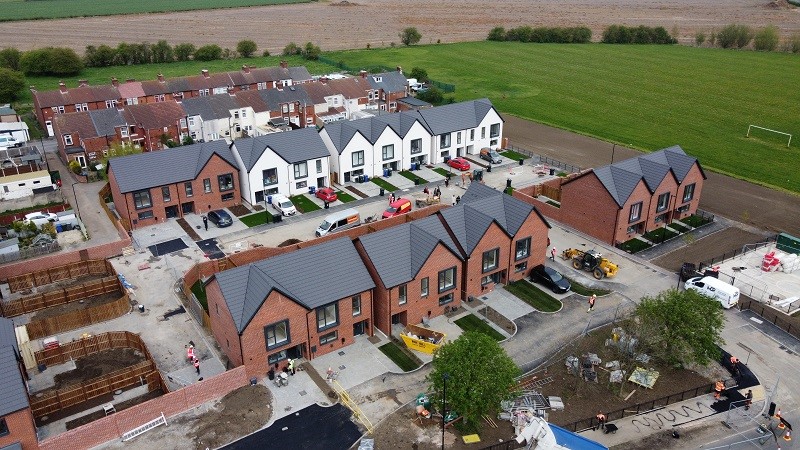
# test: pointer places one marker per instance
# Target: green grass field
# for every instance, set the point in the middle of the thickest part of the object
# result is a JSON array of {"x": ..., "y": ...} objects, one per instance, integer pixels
[
  {"x": 57, "y": 9},
  {"x": 644, "y": 96}
]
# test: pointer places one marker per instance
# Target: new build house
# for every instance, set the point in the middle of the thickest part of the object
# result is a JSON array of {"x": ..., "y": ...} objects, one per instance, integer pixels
[
  {"x": 286, "y": 163},
  {"x": 17, "y": 427},
  {"x": 149, "y": 188},
  {"x": 617, "y": 202},
  {"x": 274, "y": 309}
]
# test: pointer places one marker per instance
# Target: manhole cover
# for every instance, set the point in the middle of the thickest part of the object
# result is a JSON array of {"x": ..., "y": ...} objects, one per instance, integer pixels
[
  {"x": 302, "y": 393},
  {"x": 341, "y": 353},
  {"x": 342, "y": 367}
]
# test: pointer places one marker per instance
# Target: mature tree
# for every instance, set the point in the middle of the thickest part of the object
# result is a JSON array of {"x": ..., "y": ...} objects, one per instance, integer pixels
[
  {"x": 433, "y": 96},
  {"x": 734, "y": 36},
  {"x": 311, "y": 52},
  {"x": 162, "y": 52},
  {"x": 410, "y": 36},
  {"x": 11, "y": 83},
  {"x": 680, "y": 327},
  {"x": 419, "y": 74},
  {"x": 208, "y": 53},
  {"x": 184, "y": 52},
  {"x": 102, "y": 56},
  {"x": 246, "y": 48},
  {"x": 51, "y": 61},
  {"x": 9, "y": 58},
  {"x": 292, "y": 49},
  {"x": 766, "y": 39},
  {"x": 497, "y": 34},
  {"x": 479, "y": 376}
]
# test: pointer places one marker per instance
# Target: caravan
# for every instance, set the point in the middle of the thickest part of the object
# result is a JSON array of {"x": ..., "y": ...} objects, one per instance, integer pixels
[{"x": 723, "y": 292}]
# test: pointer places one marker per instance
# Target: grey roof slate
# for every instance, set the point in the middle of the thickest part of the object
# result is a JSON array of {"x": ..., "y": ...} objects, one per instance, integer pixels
[
  {"x": 299, "y": 74},
  {"x": 293, "y": 146},
  {"x": 169, "y": 166},
  {"x": 14, "y": 446},
  {"x": 12, "y": 389},
  {"x": 389, "y": 81},
  {"x": 621, "y": 178},
  {"x": 7, "y": 335},
  {"x": 467, "y": 224},
  {"x": 414, "y": 101},
  {"x": 106, "y": 121},
  {"x": 398, "y": 253},
  {"x": 275, "y": 97},
  {"x": 510, "y": 212},
  {"x": 456, "y": 116},
  {"x": 338, "y": 272},
  {"x": 210, "y": 107}
]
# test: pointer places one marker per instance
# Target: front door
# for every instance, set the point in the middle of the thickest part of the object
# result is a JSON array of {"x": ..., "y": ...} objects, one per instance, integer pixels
[
  {"x": 460, "y": 151},
  {"x": 171, "y": 211},
  {"x": 321, "y": 182},
  {"x": 187, "y": 208},
  {"x": 359, "y": 328},
  {"x": 49, "y": 125}
]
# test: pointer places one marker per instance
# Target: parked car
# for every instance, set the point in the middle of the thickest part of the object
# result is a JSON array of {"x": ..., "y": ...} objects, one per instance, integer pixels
[
  {"x": 220, "y": 218},
  {"x": 8, "y": 141},
  {"x": 398, "y": 207},
  {"x": 491, "y": 155},
  {"x": 551, "y": 278},
  {"x": 459, "y": 163},
  {"x": 326, "y": 194},
  {"x": 282, "y": 204},
  {"x": 418, "y": 87},
  {"x": 40, "y": 218}
]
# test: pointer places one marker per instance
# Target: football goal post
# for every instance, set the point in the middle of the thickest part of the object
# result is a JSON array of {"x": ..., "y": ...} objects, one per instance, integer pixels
[{"x": 772, "y": 131}]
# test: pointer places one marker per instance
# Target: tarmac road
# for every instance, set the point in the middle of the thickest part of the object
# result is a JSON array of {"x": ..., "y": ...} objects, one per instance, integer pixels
[{"x": 723, "y": 195}]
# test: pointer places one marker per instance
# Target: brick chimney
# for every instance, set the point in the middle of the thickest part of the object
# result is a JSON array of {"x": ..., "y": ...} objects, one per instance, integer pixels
[
  {"x": 399, "y": 69},
  {"x": 82, "y": 83},
  {"x": 161, "y": 78},
  {"x": 245, "y": 68},
  {"x": 231, "y": 91},
  {"x": 204, "y": 72},
  {"x": 62, "y": 87},
  {"x": 323, "y": 80},
  {"x": 284, "y": 64},
  {"x": 363, "y": 74},
  {"x": 114, "y": 82}
]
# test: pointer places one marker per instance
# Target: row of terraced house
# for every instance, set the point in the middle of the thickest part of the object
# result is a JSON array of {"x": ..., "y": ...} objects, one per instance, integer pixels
[
  {"x": 151, "y": 187},
  {"x": 87, "y": 120},
  {"x": 318, "y": 299}
]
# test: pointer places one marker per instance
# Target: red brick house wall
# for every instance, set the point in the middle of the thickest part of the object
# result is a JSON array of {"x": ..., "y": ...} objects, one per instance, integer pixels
[
  {"x": 222, "y": 324},
  {"x": 203, "y": 202},
  {"x": 21, "y": 429},
  {"x": 669, "y": 185},
  {"x": 535, "y": 228},
  {"x": 494, "y": 237},
  {"x": 587, "y": 206},
  {"x": 344, "y": 328},
  {"x": 695, "y": 176}
]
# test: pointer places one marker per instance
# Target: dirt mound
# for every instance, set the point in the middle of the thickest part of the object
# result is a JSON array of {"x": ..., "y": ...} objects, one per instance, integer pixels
[
  {"x": 238, "y": 414},
  {"x": 778, "y": 4},
  {"x": 344, "y": 3},
  {"x": 97, "y": 364}
]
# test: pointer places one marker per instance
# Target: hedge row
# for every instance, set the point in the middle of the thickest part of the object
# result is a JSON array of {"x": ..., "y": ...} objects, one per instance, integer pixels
[
  {"x": 620, "y": 34},
  {"x": 543, "y": 35}
]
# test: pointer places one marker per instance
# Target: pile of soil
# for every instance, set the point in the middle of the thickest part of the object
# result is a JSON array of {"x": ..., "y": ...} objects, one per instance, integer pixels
[
  {"x": 344, "y": 3},
  {"x": 238, "y": 414},
  {"x": 97, "y": 364},
  {"x": 239, "y": 210},
  {"x": 778, "y": 4},
  {"x": 77, "y": 305}
]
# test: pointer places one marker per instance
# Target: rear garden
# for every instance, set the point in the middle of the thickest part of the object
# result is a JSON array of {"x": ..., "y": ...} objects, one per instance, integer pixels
[{"x": 665, "y": 233}]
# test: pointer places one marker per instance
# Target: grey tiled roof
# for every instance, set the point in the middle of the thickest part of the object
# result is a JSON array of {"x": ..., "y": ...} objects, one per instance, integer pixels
[
  {"x": 398, "y": 253},
  {"x": 7, "y": 335},
  {"x": 314, "y": 276},
  {"x": 169, "y": 166},
  {"x": 509, "y": 212},
  {"x": 106, "y": 121},
  {"x": 621, "y": 178},
  {"x": 414, "y": 101},
  {"x": 12, "y": 390},
  {"x": 275, "y": 97},
  {"x": 390, "y": 81},
  {"x": 456, "y": 116},
  {"x": 210, "y": 107},
  {"x": 467, "y": 224},
  {"x": 292, "y": 146}
]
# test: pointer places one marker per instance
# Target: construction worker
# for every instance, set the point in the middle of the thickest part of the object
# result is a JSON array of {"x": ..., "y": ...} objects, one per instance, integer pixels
[
  {"x": 748, "y": 399},
  {"x": 601, "y": 420},
  {"x": 592, "y": 299},
  {"x": 553, "y": 254},
  {"x": 719, "y": 386},
  {"x": 735, "y": 365},
  {"x": 197, "y": 365},
  {"x": 291, "y": 366}
]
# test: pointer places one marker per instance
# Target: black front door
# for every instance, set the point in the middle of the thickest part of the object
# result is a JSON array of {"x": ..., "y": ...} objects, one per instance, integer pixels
[
  {"x": 187, "y": 208},
  {"x": 171, "y": 211}
]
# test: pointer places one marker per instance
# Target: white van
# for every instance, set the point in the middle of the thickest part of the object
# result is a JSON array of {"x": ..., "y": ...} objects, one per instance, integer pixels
[
  {"x": 7, "y": 141},
  {"x": 339, "y": 221},
  {"x": 709, "y": 286}
]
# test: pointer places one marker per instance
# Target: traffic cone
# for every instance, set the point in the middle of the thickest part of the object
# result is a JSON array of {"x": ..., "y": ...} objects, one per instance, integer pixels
[
  {"x": 778, "y": 414},
  {"x": 781, "y": 425},
  {"x": 787, "y": 436}
]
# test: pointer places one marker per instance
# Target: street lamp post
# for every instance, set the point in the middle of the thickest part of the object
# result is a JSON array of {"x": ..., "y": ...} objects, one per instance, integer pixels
[
  {"x": 445, "y": 376},
  {"x": 77, "y": 208}
]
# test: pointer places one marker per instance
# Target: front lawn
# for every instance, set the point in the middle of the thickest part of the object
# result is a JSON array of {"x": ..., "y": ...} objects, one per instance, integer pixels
[
  {"x": 473, "y": 323},
  {"x": 199, "y": 291},
  {"x": 413, "y": 177},
  {"x": 256, "y": 219},
  {"x": 303, "y": 203},
  {"x": 344, "y": 197},
  {"x": 396, "y": 354},
  {"x": 442, "y": 172},
  {"x": 586, "y": 291},
  {"x": 695, "y": 221},
  {"x": 511, "y": 154},
  {"x": 384, "y": 184},
  {"x": 553, "y": 203},
  {"x": 534, "y": 296},
  {"x": 678, "y": 227},
  {"x": 659, "y": 235},
  {"x": 634, "y": 245}
]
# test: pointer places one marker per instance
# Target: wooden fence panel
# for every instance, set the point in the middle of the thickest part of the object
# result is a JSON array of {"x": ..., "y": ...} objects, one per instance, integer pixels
[
  {"x": 78, "y": 319},
  {"x": 60, "y": 273},
  {"x": 57, "y": 297}
]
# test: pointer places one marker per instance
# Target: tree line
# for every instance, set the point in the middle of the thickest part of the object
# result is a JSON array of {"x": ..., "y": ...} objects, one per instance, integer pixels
[{"x": 542, "y": 35}]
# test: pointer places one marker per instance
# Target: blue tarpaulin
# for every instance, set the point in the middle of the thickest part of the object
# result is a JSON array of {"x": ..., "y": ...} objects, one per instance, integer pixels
[{"x": 574, "y": 441}]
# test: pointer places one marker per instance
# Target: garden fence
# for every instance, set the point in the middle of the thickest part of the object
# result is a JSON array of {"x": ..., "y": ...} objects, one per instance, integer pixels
[
  {"x": 74, "y": 320},
  {"x": 709, "y": 263},
  {"x": 30, "y": 252},
  {"x": 591, "y": 422},
  {"x": 569, "y": 168},
  {"x": 786, "y": 323},
  {"x": 60, "y": 273},
  {"x": 74, "y": 292}
]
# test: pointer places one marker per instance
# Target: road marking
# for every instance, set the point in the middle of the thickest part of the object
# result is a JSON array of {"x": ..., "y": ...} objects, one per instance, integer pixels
[{"x": 757, "y": 320}]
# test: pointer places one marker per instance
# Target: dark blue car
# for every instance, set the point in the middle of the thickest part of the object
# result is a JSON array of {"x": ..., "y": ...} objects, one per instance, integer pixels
[
  {"x": 220, "y": 218},
  {"x": 551, "y": 278}
]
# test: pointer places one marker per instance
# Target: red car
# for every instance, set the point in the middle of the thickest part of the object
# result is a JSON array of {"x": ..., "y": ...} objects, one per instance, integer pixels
[
  {"x": 459, "y": 163},
  {"x": 326, "y": 194},
  {"x": 399, "y": 206}
]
